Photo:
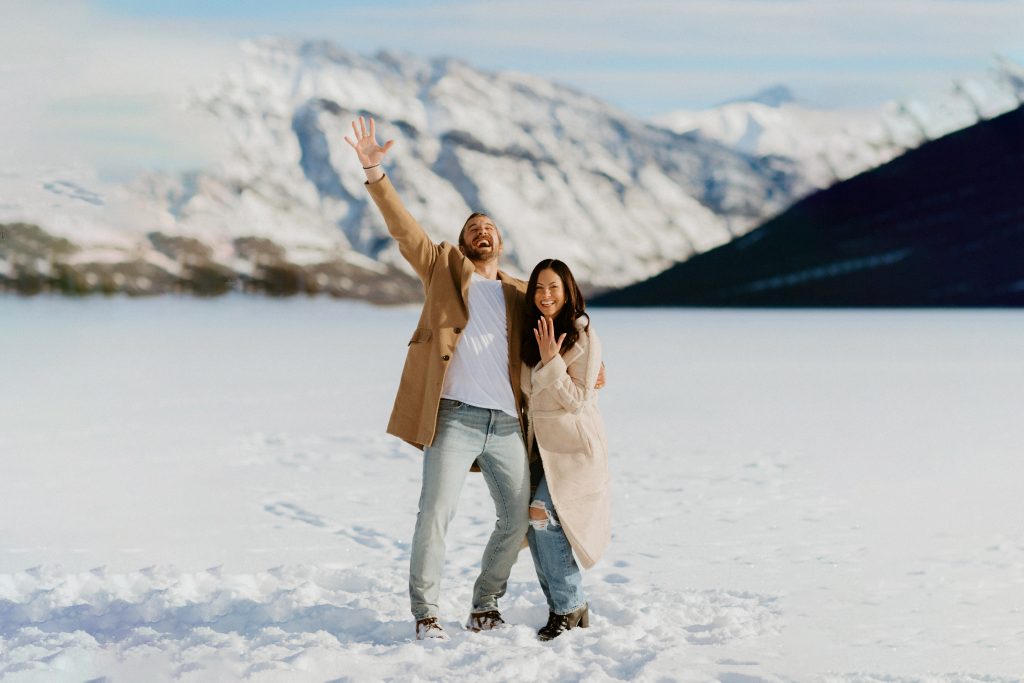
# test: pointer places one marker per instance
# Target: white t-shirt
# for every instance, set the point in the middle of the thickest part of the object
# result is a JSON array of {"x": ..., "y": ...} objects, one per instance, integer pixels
[{"x": 478, "y": 371}]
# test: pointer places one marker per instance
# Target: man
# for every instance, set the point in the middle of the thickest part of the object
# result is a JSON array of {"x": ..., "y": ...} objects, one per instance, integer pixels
[{"x": 459, "y": 397}]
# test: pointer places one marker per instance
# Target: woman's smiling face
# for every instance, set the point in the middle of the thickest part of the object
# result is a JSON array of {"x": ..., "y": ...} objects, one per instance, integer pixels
[{"x": 549, "y": 296}]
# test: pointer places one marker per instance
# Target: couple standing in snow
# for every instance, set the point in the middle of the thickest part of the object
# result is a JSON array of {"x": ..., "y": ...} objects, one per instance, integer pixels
[{"x": 501, "y": 376}]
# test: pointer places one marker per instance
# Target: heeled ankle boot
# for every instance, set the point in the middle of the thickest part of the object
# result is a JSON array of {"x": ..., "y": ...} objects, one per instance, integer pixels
[{"x": 557, "y": 623}]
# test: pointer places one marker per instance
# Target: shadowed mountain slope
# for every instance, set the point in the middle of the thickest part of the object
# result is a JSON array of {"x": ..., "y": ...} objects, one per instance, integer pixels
[{"x": 942, "y": 225}]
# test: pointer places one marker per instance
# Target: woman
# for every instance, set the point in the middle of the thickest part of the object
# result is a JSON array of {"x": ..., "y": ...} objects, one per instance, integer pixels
[{"x": 570, "y": 508}]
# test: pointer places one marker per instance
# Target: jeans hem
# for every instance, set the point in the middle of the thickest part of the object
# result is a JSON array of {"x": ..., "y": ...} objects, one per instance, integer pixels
[
  {"x": 478, "y": 608},
  {"x": 563, "y": 614}
]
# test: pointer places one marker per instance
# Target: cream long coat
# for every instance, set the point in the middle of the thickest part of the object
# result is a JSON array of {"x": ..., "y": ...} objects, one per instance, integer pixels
[
  {"x": 564, "y": 419},
  {"x": 446, "y": 274}
]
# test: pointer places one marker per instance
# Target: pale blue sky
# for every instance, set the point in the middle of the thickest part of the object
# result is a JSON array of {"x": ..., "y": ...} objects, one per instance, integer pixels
[{"x": 94, "y": 72}]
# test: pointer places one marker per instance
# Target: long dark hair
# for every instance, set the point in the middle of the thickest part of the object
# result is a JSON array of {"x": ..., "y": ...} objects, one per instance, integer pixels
[{"x": 565, "y": 321}]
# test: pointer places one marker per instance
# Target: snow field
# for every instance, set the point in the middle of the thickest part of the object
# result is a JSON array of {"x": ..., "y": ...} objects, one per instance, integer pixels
[{"x": 202, "y": 491}]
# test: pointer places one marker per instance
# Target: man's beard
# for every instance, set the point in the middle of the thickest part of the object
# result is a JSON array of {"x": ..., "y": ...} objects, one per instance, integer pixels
[{"x": 473, "y": 254}]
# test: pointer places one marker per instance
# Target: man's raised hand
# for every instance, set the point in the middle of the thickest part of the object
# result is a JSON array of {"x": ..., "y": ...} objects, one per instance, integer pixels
[{"x": 365, "y": 144}]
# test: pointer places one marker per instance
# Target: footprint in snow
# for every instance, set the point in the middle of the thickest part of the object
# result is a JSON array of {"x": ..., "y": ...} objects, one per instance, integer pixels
[
  {"x": 364, "y": 536},
  {"x": 294, "y": 512}
]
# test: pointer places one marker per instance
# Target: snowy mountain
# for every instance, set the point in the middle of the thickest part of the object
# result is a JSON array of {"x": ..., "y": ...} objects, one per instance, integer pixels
[
  {"x": 562, "y": 173},
  {"x": 832, "y": 145},
  {"x": 942, "y": 225}
]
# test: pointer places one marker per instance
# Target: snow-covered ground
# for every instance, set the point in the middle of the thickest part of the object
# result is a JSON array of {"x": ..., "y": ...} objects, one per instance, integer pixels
[{"x": 202, "y": 490}]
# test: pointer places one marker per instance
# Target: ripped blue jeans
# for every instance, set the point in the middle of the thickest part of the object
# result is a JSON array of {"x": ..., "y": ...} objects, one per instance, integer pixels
[{"x": 559, "y": 575}]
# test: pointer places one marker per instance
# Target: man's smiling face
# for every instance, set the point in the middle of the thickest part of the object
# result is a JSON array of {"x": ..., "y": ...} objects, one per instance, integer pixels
[{"x": 480, "y": 239}]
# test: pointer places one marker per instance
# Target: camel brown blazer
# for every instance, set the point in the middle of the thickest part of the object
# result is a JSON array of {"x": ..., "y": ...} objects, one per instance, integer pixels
[{"x": 446, "y": 274}]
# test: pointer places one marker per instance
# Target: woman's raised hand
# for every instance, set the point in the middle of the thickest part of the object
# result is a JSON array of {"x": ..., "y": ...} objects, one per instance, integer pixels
[
  {"x": 546, "y": 342},
  {"x": 365, "y": 144}
]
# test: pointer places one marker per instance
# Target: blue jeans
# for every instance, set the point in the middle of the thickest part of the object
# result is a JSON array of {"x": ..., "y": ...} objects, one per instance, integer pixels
[
  {"x": 559, "y": 575},
  {"x": 494, "y": 440}
]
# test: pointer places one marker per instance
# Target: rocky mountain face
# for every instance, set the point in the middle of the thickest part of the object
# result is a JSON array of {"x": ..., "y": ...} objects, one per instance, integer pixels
[
  {"x": 563, "y": 174},
  {"x": 942, "y": 225}
]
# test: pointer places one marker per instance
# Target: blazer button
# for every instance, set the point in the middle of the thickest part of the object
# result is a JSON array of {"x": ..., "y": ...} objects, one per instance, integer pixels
[
  {"x": 458, "y": 330},
  {"x": 446, "y": 357}
]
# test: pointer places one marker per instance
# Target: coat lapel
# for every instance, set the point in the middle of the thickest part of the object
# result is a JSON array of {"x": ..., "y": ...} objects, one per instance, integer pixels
[
  {"x": 511, "y": 306},
  {"x": 572, "y": 354},
  {"x": 467, "y": 277},
  {"x": 513, "y": 311}
]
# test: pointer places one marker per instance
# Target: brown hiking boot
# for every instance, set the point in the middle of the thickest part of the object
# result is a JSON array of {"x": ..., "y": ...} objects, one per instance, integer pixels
[
  {"x": 430, "y": 628},
  {"x": 557, "y": 623},
  {"x": 484, "y": 621}
]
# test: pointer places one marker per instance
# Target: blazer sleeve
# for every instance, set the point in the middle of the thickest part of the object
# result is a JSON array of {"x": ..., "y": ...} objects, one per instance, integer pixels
[
  {"x": 572, "y": 385},
  {"x": 413, "y": 241}
]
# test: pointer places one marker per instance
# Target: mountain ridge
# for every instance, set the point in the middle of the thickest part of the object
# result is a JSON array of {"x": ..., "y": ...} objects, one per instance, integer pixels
[
  {"x": 563, "y": 173},
  {"x": 942, "y": 225}
]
